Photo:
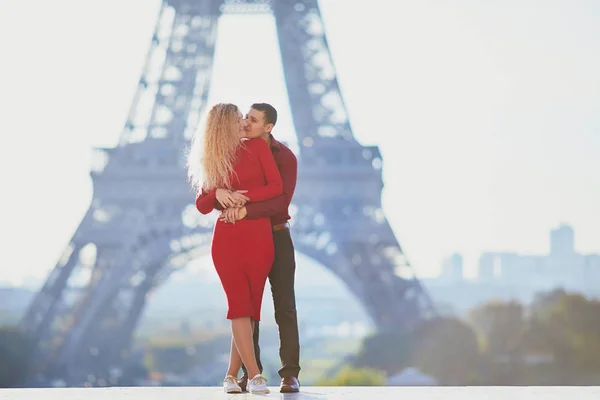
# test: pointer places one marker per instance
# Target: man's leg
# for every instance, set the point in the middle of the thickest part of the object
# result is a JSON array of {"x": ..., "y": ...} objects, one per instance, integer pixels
[
  {"x": 256, "y": 346},
  {"x": 281, "y": 278}
]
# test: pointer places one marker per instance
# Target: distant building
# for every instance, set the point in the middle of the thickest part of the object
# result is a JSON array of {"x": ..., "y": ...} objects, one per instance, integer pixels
[
  {"x": 452, "y": 268},
  {"x": 562, "y": 241},
  {"x": 489, "y": 267},
  {"x": 562, "y": 267}
]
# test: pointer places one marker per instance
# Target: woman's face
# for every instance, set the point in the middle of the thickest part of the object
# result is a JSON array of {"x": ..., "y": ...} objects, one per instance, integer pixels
[{"x": 241, "y": 125}]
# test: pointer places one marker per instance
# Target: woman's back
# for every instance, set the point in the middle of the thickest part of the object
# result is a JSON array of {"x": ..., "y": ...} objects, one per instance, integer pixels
[
  {"x": 254, "y": 171},
  {"x": 249, "y": 172}
]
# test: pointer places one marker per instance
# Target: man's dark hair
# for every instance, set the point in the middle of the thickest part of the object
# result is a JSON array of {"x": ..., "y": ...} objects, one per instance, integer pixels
[{"x": 269, "y": 111}]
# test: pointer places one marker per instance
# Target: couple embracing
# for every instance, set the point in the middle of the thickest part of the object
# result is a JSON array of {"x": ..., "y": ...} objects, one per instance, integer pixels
[{"x": 244, "y": 172}]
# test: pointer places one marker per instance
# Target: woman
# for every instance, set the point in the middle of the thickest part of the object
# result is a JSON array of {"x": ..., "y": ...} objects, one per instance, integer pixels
[{"x": 242, "y": 252}]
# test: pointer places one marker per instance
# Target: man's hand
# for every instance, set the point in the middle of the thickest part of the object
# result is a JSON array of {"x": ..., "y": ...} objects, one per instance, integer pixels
[
  {"x": 227, "y": 198},
  {"x": 239, "y": 198},
  {"x": 233, "y": 214}
]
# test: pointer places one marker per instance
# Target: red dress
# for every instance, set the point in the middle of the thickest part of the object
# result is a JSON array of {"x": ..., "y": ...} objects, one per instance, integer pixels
[{"x": 243, "y": 252}]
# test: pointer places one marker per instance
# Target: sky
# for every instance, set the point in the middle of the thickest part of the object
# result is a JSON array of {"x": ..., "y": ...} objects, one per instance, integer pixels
[{"x": 487, "y": 115}]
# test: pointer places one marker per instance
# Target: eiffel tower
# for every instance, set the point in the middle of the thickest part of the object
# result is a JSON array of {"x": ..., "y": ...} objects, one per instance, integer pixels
[{"x": 142, "y": 223}]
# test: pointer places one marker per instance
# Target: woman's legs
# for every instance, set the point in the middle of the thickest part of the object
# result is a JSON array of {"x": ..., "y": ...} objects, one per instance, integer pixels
[
  {"x": 243, "y": 330},
  {"x": 235, "y": 361}
]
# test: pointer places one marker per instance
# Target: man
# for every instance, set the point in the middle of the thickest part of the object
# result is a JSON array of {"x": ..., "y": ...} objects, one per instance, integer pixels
[{"x": 260, "y": 120}]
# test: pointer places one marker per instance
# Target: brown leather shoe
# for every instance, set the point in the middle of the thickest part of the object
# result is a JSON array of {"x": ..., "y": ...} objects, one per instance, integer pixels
[
  {"x": 243, "y": 383},
  {"x": 290, "y": 384}
]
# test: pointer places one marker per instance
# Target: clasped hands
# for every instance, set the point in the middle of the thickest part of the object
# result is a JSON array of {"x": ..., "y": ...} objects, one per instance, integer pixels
[{"x": 233, "y": 203}]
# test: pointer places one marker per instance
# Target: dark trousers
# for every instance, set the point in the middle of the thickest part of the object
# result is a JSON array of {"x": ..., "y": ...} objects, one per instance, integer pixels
[{"x": 281, "y": 279}]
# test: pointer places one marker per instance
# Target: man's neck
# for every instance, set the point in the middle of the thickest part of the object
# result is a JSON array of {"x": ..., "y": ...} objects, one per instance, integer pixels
[{"x": 267, "y": 138}]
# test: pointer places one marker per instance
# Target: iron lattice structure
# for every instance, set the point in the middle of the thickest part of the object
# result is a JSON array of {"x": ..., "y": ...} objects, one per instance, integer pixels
[{"x": 142, "y": 222}]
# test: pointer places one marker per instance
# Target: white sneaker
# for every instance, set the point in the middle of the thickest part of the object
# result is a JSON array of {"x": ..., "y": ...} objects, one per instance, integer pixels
[
  {"x": 230, "y": 385},
  {"x": 258, "y": 384}
]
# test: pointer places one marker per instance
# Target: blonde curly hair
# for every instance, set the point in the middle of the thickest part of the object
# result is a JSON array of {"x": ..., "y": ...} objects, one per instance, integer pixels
[{"x": 213, "y": 162}]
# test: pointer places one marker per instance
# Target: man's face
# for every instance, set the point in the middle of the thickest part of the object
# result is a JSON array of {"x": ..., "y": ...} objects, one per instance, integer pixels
[{"x": 255, "y": 124}]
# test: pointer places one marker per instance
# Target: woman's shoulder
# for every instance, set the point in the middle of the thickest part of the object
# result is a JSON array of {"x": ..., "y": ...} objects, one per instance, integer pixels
[{"x": 257, "y": 144}]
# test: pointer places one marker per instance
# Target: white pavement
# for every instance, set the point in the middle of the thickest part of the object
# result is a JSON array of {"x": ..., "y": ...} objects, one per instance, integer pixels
[{"x": 309, "y": 393}]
